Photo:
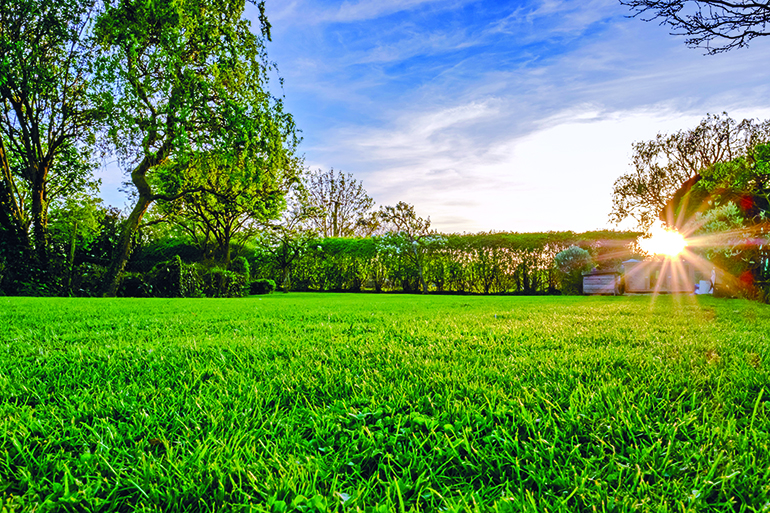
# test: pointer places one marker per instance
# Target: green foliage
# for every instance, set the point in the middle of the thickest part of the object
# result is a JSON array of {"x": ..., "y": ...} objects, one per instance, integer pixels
[
  {"x": 218, "y": 282},
  {"x": 487, "y": 263},
  {"x": 134, "y": 285},
  {"x": 165, "y": 278},
  {"x": 262, "y": 287},
  {"x": 240, "y": 265},
  {"x": 385, "y": 403},
  {"x": 87, "y": 278},
  {"x": 732, "y": 216},
  {"x": 192, "y": 113},
  {"x": 47, "y": 120},
  {"x": 572, "y": 263}
]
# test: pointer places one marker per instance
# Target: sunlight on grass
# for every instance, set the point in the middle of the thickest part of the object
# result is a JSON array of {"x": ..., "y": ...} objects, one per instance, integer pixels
[{"x": 318, "y": 402}]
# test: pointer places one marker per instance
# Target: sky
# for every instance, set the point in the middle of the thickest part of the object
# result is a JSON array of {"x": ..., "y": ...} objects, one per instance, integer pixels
[{"x": 492, "y": 115}]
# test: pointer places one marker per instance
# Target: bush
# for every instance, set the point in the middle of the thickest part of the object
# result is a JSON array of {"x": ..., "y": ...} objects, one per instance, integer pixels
[
  {"x": 218, "y": 282},
  {"x": 240, "y": 265},
  {"x": 134, "y": 285},
  {"x": 174, "y": 278},
  {"x": 571, "y": 263},
  {"x": 87, "y": 279},
  {"x": 262, "y": 287}
]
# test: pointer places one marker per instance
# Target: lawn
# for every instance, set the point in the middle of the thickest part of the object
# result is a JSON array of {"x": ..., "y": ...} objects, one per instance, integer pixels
[{"x": 316, "y": 402}]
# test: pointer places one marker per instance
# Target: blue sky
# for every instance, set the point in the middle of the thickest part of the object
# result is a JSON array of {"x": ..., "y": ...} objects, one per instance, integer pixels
[{"x": 491, "y": 115}]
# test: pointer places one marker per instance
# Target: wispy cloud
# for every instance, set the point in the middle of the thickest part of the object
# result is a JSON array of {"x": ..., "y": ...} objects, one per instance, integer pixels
[
  {"x": 497, "y": 115},
  {"x": 308, "y": 12}
]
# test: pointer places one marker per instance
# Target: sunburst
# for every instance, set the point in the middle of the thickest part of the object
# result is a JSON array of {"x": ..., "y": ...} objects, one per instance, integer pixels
[{"x": 661, "y": 240}]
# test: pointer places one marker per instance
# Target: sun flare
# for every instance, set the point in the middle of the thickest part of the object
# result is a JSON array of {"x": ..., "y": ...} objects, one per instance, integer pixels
[{"x": 660, "y": 240}]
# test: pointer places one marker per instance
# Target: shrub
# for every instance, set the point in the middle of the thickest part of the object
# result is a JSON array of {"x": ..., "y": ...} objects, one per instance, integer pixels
[
  {"x": 134, "y": 285},
  {"x": 571, "y": 263},
  {"x": 240, "y": 265},
  {"x": 87, "y": 279},
  {"x": 174, "y": 278},
  {"x": 218, "y": 282},
  {"x": 262, "y": 287},
  {"x": 165, "y": 278}
]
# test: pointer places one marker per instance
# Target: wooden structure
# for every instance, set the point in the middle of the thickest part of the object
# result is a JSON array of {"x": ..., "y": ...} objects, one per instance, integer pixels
[{"x": 601, "y": 282}]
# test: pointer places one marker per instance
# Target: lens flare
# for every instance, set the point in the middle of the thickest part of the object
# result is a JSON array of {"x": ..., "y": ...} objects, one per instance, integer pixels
[{"x": 660, "y": 240}]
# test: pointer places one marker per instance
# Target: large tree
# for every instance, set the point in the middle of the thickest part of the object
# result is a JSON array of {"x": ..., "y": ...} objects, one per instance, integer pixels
[
  {"x": 186, "y": 79},
  {"x": 716, "y": 25},
  {"x": 46, "y": 113},
  {"x": 336, "y": 204},
  {"x": 662, "y": 165}
]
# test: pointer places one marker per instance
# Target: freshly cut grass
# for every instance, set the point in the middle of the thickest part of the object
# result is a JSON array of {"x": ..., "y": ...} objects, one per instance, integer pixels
[{"x": 310, "y": 402}]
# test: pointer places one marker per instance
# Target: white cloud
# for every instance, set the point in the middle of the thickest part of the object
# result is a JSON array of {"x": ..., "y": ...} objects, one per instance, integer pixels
[
  {"x": 557, "y": 177},
  {"x": 531, "y": 129}
]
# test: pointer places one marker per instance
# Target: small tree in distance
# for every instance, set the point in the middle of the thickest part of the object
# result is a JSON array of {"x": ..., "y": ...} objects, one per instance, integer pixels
[
  {"x": 416, "y": 229},
  {"x": 335, "y": 204},
  {"x": 572, "y": 263}
]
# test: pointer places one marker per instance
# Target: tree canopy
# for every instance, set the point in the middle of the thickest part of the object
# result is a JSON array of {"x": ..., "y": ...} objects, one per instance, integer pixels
[
  {"x": 662, "y": 165},
  {"x": 47, "y": 114},
  {"x": 186, "y": 80},
  {"x": 336, "y": 204}
]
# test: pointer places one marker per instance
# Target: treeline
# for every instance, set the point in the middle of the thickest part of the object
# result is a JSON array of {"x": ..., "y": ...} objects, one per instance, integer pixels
[{"x": 483, "y": 263}]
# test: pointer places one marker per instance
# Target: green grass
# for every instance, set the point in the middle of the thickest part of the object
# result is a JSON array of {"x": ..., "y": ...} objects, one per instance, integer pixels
[{"x": 316, "y": 402}]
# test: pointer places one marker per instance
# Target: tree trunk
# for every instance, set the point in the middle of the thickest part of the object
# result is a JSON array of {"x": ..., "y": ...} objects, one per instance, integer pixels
[
  {"x": 40, "y": 226},
  {"x": 420, "y": 273},
  {"x": 146, "y": 197},
  {"x": 71, "y": 259},
  {"x": 15, "y": 246},
  {"x": 123, "y": 248}
]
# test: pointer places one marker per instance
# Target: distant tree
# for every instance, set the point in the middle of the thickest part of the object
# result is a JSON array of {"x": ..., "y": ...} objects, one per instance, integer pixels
[
  {"x": 187, "y": 79},
  {"x": 729, "y": 24},
  {"x": 336, "y": 204},
  {"x": 286, "y": 241},
  {"x": 663, "y": 164},
  {"x": 47, "y": 114},
  {"x": 571, "y": 264},
  {"x": 231, "y": 197},
  {"x": 415, "y": 229}
]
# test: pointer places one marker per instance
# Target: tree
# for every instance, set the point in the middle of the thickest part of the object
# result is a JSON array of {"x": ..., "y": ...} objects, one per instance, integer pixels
[
  {"x": 731, "y": 223},
  {"x": 337, "y": 205},
  {"x": 74, "y": 225},
  {"x": 286, "y": 241},
  {"x": 186, "y": 81},
  {"x": 729, "y": 23},
  {"x": 46, "y": 113},
  {"x": 572, "y": 263},
  {"x": 664, "y": 164},
  {"x": 416, "y": 230},
  {"x": 231, "y": 199}
]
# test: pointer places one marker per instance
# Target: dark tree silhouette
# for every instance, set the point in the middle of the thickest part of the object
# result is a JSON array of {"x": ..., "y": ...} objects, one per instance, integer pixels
[{"x": 715, "y": 25}]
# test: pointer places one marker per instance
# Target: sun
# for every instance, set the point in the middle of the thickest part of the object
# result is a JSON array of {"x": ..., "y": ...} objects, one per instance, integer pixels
[{"x": 662, "y": 241}]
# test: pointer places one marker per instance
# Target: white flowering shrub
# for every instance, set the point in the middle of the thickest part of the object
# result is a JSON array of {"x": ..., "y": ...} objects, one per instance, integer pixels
[{"x": 571, "y": 263}]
